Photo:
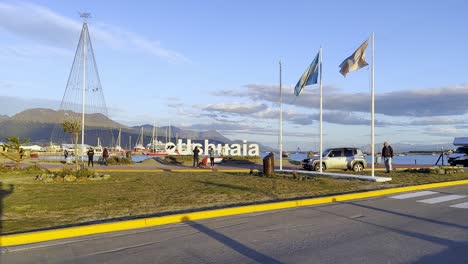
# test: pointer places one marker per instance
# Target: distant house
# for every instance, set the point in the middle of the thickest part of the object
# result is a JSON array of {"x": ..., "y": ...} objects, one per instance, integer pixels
[{"x": 36, "y": 148}]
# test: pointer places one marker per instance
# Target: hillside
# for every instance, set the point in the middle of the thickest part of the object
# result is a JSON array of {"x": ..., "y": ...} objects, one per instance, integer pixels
[
  {"x": 182, "y": 133},
  {"x": 38, "y": 125},
  {"x": 49, "y": 116}
]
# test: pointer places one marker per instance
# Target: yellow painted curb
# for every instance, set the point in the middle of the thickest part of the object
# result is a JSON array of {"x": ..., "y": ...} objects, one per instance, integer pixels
[
  {"x": 41, "y": 236},
  {"x": 165, "y": 170}
]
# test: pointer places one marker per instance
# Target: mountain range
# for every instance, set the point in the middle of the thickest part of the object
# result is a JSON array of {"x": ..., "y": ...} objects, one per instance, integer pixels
[{"x": 38, "y": 125}]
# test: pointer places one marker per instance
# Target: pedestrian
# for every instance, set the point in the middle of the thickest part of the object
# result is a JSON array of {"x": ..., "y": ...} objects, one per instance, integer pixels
[
  {"x": 195, "y": 156},
  {"x": 91, "y": 157},
  {"x": 387, "y": 155},
  {"x": 212, "y": 153},
  {"x": 105, "y": 156},
  {"x": 65, "y": 154}
]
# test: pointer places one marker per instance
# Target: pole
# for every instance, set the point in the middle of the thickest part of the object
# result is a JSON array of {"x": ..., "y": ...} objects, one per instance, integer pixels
[
  {"x": 281, "y": 120},
  {"x": 83, "y": 93},
  {"x": 321, "y": 108},
  {"x": 372, "y": 109}
]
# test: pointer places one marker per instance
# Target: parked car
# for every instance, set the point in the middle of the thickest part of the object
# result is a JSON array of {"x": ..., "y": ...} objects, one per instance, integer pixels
[
  {"x": 337, "y": 158},
  {"x": 459, "y": 157}
]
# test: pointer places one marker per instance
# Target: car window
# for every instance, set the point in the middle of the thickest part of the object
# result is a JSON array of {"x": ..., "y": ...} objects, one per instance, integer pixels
[
  {"x": 335, "y": 153},
  {"x": 463, "y": 150},
  {"x": 348, "y": 152}
]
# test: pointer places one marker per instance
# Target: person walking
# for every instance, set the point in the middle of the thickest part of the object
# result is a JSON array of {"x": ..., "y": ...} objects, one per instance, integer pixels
[
  {"x": 105, "y": 156},
  {"x": 387, "y": 155},
  {"x": 91, "y": 157},
  {"x": 65, "y": 154},
  {"x": 212, "y": 156},
  {"x": 195, "y": 156}
]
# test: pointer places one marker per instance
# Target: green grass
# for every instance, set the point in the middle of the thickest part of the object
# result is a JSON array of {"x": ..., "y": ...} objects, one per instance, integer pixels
[{"x": 34, "y": 205}]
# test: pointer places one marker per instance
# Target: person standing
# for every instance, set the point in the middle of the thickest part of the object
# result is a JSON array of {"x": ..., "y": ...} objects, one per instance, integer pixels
[
  {"x": 105, "y": 156},
  {"x": 195, "y": 156},
  {"x": 65, "y": 154},
  {"x": 211, "y": 153},
  {"x": 387, "y": 155},
  {"x": 91, "y": 157}
]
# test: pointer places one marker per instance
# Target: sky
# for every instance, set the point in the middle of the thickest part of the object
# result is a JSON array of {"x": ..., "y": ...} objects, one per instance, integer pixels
[{"x": 214, "y": 65}]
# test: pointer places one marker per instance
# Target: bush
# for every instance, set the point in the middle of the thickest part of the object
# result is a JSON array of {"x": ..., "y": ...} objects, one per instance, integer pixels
[
  {"x": 31, "y": 168},
  {"x": 69, "y": 175},
  {"x": 114, "y": 160}
]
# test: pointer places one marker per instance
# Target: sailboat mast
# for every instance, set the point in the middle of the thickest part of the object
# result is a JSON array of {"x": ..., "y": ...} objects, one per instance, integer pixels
[
  {"x": 152, "y": 138},
  {"x": 141, "y": 140},
  {"x": 119, "y": 139},
  {"x": 170, "y": 132},
  {"x": 84, "y": 91}
]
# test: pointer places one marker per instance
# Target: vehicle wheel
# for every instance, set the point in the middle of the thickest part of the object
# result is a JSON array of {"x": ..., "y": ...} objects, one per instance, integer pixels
[
  {"x": 358, "y": 167},
  {"x": 317, "y": 167}
]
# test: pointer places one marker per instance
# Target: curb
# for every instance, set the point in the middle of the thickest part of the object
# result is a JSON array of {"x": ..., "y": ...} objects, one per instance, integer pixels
[
  {"x": 71, "y": 232},
  {"x": 164, "y": 170}
]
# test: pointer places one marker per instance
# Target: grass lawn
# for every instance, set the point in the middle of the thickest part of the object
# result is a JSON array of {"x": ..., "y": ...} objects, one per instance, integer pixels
[{"x": 33, "y": 205}]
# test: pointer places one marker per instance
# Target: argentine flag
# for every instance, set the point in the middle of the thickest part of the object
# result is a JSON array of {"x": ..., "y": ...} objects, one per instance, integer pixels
[{"x": 309, "y": 77}]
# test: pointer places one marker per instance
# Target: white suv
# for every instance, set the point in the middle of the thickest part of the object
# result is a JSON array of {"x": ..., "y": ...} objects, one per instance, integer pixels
[{"x": 337, "y": 158}]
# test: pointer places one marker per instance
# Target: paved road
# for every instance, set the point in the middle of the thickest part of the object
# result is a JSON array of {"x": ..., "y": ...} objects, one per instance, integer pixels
[{"x": 418, "y": 227}]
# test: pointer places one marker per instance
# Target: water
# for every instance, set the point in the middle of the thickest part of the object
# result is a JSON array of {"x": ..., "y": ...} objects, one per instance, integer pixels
[{"x": 408, "y": 159}]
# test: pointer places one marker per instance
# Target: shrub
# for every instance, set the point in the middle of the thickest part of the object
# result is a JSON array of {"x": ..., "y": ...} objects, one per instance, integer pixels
[{"x": 114, "y": 160}]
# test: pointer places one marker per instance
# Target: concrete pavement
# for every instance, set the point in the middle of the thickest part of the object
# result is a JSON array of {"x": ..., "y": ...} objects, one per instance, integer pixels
[{"x": 422, "y": 227}]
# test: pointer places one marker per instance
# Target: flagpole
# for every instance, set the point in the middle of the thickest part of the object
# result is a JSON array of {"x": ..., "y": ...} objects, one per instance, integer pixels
[
  {"x": 321, "y": 108},
  {"x": 281, "y": 121},
  {"x": 372, "y": 108}
]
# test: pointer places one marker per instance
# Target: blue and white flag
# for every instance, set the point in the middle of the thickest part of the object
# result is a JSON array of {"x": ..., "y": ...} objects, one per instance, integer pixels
[{"x": 309, "y": 77}]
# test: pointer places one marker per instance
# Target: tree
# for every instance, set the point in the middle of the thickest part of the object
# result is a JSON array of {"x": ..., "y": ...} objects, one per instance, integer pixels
[
  {"x": 14, "y": 145},
  {"x": 73, "y": 127}
]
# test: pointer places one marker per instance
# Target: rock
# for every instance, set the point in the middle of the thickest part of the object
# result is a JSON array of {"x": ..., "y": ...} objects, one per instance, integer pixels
[
  {"x": 70, "y": 178},
  {"x": 106, "y": 177},
  {"x": 48, "y": 180}
]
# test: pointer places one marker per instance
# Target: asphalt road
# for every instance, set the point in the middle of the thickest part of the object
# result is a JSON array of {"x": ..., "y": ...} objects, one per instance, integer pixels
[{"x": 422, "y": 229}]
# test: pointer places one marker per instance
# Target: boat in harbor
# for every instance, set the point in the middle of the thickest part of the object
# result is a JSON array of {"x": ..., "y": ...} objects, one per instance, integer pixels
[
  {"x": 155, "y": 147},
  {"x": 139, "y": 147},
  {"x": 118, "y": 147}
]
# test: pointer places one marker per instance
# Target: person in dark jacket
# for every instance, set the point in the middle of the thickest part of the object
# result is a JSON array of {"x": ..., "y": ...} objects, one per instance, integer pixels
[
  {"x": 387, "y": 155},
  {"x": 195, "y": 156},
  {"x": 91, "y": 157},
  {"x": 105, "y": 156}
]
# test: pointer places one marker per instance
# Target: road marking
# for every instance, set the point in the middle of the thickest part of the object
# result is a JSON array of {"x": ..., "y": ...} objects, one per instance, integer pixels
[
  {"x": 442, "y": 199},
  {"x": 460, "y": 205},
  {"x": 412, "y": 195}
]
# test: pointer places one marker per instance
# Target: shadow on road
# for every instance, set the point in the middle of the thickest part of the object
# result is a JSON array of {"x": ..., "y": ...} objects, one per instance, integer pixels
[
  {"x": 455, "y": 252},
  {"x": 231, "y": 243},
  {"x": 409, "y": 216},
  {"x": 3, "y": 194}
]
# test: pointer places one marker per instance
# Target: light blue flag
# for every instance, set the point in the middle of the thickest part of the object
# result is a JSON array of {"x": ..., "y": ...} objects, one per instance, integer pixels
[{"x": 309, "y": 77}]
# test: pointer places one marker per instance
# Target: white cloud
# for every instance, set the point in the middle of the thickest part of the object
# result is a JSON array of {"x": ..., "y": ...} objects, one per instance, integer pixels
[
  {"x": 235, "y": 108},
  {"x": 427, "y": 102},
  {"x": 437, "y": 121},
  {"x": 445, "y": 132},
  {"x": 45, "y": 26}
]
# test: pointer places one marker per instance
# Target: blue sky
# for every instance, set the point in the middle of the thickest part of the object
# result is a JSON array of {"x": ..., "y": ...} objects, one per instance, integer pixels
[{"x": 214, "y": 65}]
